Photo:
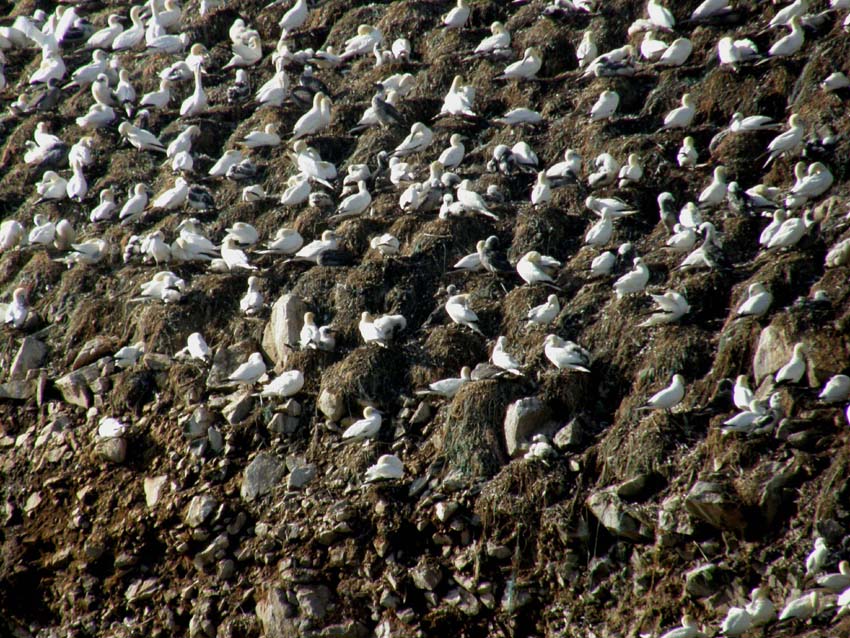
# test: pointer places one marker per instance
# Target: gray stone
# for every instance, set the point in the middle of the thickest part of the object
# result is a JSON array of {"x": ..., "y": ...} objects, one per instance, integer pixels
[
  {"x": 331, "y": 405},
  {"x": 283, "y": 330},
  {"x": 713, "y": 504},
  {"x": 29, "y": 357},
  {"x": 618, "y": 517},
  {"x": 113, "y": 450},
  {"x": 427, "y": 576},
  {"x": 348, "y": 629},
  {"x": 772, "y": 352},
  {"x": 313, "y": 601},
  {"x": 195, "y": 426},
  {"x": 75, "y": 390},
  {"x": 277, "y": 616},
  {"x": 704, "y": 581},
  {"x": 523, "y": 418},
  {"x": 239, "y": 408},
  {"x": 300, "y": 476},
  {"x": 261, "y": 475},
  {"x": 92, "y": 350},
  {"x": 200, "y": 508},
  {"x": 17, "y": 390},
  {"x": 422, "y": 414},
  {"x": 571, "y": 436},
  {"x": 153, "y": 489}
]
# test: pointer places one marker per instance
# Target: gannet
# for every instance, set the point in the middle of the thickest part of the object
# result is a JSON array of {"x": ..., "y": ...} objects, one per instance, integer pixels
[
  {"x": 837, "y": 582},
  {"x": 757, "y": 302},
  {"x": 501, "y": 358},
  {"x": 129, "y": 38},
  {"x": 566, "y": 355},
  {"x": 380, "y": 329},
  {"x": 633, "y": 281},
  {"x": 791, "y": 231},
  {"x": 682, "y": 116},
  {"x": 140, "y": 138},
  {"x": 733, "y": 52},
  {"x": 355, "y": 204},
  {"x": 287, "y": 384},
  {"x": 456, "y": 18},
  {"x": 315, "y": 119},
  {"x": 533, "y": 267},
  {"x": 541, "y": 192},
  {"x": 459, "y": 99},
  {"x": 419, "y": 138},
  {"x": 631, "y": 172},
  {"x": 670, "y": 307},
  {"x": 51, "y": 187},
  {"x": 652, "y": 48},
  {"x": 388, "y": 467},
  {"x": 788, "y": 141},
  {"x": 545, "y": 313},
  {"x": 249, "y": 373},
  {"x": 605, "y": 106},
  {"x": 386, "y": 244},
  {"x": 802, "y": 607},
  {"x": 791, "y": 43},
  {"x": 661, "y": 17},
  {"x": 496, "y": 43},
  {"x": 311, "y": 251},
  {"x": 135, "y": 205},
  {"x": 569, "y": 169},
  {"x": 173, "y": 197},
  {"x": 363, "y": 43},
  {"x": 448, "y": 387},
  {"x": 607, "y": 169},
  {"x": 837, "y": 389},
  {"x": 715, "y": 193},
  {"x": 526, "y": 68},
  {"x": 457, "y": 307},
  {"x": 104, "y": 38},
  {"x": 687, "y": 155},
  {"x": 793, "y": 371},
  {"x": 669, "y": 397},
  {"x": 600, "y": 233},
  {"x": 16, "y": 312},
  {"x": 761, "y": 608},
  {"x": 677, "y": 53},
  {"x": 520, "y": 116},
  {"x": 252, "y": 301},
  {"x": 88, "y": 73},
  {"x": 295, "y": 17}
]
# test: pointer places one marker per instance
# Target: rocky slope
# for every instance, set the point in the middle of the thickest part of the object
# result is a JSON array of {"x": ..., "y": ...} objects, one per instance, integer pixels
[{"x": 221, "y": 514}]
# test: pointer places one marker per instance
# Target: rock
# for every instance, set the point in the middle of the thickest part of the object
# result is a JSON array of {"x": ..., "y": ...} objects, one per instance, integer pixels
[
  {"x": 199, "y": 510},
  {"x": 277, "y": 616},
  {"x": 426, "y": 575},
  {"x": 283, "y": 330},
  {"x": 571, "y": 436},
  {"x": 313, "y": 601},
  {"x": 713, "y": 504},
  {"x": 93, "y": 350},
  {"x": 29, "y": 357},
  {"x": 445, "y": 510},
  {"x": 261, "y": 475},
  {"x": 704, "y": 581},
  {"x": 772, "y": 352},
  {"x": 422, "y": 414},
  {"x": 33, "y": 501},
  {"x": 523, "y": 418},
  {"x": 153, "y": 489},
  {"x": 331, "y": 405},
  {"x": 75, "y": 390},
  {"x": 618, "y": 517},
  {"x": 239, "y": 408},
  {"x": 300, "y": 476},
  {"x": 640, "y": 487},
  {"x": 17, "y": 390},
  {"x": 348, "y": 629},
  {"x": 113, "y": 450},
  {"x": 195, "y": 426}
]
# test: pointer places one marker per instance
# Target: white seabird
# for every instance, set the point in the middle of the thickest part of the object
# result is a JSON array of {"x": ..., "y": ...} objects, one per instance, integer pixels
[
  {"x": 795, "y": 368},
  {"x": 501, "y": 358},
  {"x": 388, "y": 467},
  {"x": 605, "y": 106},
  {"x": 633, "y": 281},
  {"x": 757, "y": 302},
  {"x": 837, "y": 389},
  {"x": 252, "y": 301},
  {"x": 566, "y": 355},
  {"x": 545, "y": 313},
  {"x": 456, "y": 18},
  {"x": 671, "y": 307},
  {"x": 448, "y": 387},
  {"x": 249, "y": 372},
  {"x": 669, "y": 397},
  {"x": 365, "y": 428},
  {"x": 285, "y": 385},
  {"x": 457, "y": 307}
]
